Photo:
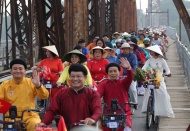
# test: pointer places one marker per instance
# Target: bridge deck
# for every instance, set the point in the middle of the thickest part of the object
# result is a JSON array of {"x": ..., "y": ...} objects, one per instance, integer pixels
[{"x": 179, "y": 95}]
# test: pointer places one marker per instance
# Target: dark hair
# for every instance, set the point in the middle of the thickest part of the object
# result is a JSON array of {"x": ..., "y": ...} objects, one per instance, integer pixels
[
  {"x": 53, "y": 54},
  {"x": 142, "y": 35},
  {"x": 81, "y": 41},
  {"x": 18, "y": 61},
  {"x": 100, "y": 39},
  {"x": 77, "y": 47},
  {"x": 78, "y": 68},
  {"x": 98, "y": 49},
  {"x": 134, "y": 40},
  {"x": 112, "y": 65},
  {"x": 105, "y": 35},
  {"x": 156, "y": 54}
]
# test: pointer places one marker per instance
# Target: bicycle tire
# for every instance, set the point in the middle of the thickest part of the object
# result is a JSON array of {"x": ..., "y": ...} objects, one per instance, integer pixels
[{"x": 149, "y": 113}]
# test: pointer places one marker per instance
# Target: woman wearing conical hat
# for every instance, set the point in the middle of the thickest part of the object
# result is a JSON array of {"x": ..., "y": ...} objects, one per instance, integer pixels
[
  {"x": 97, "y": 64},
  {"x": 74, "y": 57},
  {"x": 54, "y": 64},
  {"x": 162, "y": 106}
]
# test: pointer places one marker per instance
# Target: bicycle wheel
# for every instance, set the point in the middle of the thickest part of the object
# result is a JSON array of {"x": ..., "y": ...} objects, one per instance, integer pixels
[{"x": 149, "y": 113}]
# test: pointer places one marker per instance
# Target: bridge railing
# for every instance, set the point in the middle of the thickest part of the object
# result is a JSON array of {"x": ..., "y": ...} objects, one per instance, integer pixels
[{"x": 184, "y": 54}]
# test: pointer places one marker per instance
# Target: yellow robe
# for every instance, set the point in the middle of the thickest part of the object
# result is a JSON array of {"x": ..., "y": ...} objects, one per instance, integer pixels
[
  {"x": 65, "y": 76},
  {"x": 23, "y": 95}
]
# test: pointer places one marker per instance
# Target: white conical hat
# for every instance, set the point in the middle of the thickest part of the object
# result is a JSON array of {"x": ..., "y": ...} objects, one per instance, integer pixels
[
  {"x": 104, "y": 55},
  {"x": 155, "y": 48},
  {"x": 51, "y": 48}
]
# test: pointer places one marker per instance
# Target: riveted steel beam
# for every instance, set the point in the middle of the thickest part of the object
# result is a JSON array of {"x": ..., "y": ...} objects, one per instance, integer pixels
[
  {"x": 1, "y": 17},
  {"x": 183, "y": 14},
  {"x": 50, "y": 24},
  {"x": 19, "y": 31}
]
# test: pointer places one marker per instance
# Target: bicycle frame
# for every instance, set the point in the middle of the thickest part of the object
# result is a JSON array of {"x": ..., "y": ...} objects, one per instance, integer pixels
[
  {"x": 114, "y": 121},
  {"x": 150, "y": 105},
  {"x": 15, "y": 125}
]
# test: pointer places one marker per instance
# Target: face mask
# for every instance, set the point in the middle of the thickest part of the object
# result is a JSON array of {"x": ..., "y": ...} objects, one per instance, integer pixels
[{"x": 146, "y": 45}]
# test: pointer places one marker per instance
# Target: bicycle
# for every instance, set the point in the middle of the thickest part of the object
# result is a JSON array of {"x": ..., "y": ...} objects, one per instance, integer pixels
[
  {"x": 150, "y": 116},
  {"x": 114, "y": 121},
  {"x": 48, "y": 85},
  {"x": 15, "y": 125}
]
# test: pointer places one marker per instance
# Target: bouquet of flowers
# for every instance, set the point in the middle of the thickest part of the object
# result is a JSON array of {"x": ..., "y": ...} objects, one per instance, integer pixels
[{"x": 148, "y": 76}]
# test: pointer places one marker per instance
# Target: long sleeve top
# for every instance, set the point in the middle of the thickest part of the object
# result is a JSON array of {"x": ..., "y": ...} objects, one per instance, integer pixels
[
  {"x": 117, "y": 89},
  {"x": 158, "y": 63},
  {"x": 55, "y": 65},
  {"x": 111, "y": 59},
  {"x": 98, "y": 68},
  {"x": 91, "y": 45},
  {"x": 132, "y": 60},
  {"x": 74, "y": 106},
  {"x": 22, "y": 95},
  {"x": 65, "y": 77}
]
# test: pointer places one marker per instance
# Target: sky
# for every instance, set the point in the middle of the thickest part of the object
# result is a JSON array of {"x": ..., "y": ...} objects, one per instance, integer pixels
[{"x": 144, "y": 4}]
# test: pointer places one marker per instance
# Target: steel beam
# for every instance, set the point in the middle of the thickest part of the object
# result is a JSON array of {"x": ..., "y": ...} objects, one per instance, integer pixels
[
  {"x": 183, "y": 15},
  {"x": 20, "y": 29},
  {"x": 50, "y": 23},
  {"x": 110, "y": 17},
  {"x": 1, "y": 17}
]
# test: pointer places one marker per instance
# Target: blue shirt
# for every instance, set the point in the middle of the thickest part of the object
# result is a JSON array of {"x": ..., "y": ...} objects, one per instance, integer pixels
[
  {"x": 109, "y": 44},
  {"x": 111, "y": 59},
  {"x": 132, "y": 60},
  {"x": 118, "y": 51},
  {"x": 85, "y": 50}
]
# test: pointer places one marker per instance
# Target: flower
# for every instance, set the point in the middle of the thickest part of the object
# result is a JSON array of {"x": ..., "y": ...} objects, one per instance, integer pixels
[{"x": 149, "y": 76}]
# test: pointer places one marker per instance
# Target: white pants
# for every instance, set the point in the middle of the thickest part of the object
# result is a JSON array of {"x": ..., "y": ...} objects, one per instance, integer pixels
[{"x": 133, "y": 92}]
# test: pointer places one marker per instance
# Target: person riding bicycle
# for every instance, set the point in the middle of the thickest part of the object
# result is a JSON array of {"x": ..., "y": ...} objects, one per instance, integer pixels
[
  {"x": 54, "y": 64},
  {"x": 97, "y": 64},
  {"x": 21, "y": 92},
  {"x": 162, "y": 98},
  {"x": 75, "y": 104},
  {"x": 115, "y": 88}
]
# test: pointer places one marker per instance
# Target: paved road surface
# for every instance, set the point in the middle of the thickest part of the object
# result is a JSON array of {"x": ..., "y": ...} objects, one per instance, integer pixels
[{"x": 139, "y": 119}]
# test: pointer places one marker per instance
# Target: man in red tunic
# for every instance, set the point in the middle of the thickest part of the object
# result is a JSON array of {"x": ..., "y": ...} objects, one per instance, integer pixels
[
  {"x": 75, "y": 104},
  {"x": 115, "y": 88}
]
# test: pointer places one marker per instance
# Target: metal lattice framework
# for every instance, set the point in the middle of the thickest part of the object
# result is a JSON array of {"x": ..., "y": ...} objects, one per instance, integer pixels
[
  {"x": 1, "y": 17},
  {"x": 93, "y": 18},
  {"x": 50, "y": 23},
  {"x": 184, "y": 15},
  {"x": 153, "y": 6},
  {"x": 19, "y": 30},
  {"x": 32, "y": 24},
  {"x": 110, "y": 17}
]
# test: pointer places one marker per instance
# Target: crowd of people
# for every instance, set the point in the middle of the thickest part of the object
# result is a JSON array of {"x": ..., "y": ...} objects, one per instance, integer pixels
[{"x": 92, "y": 73}]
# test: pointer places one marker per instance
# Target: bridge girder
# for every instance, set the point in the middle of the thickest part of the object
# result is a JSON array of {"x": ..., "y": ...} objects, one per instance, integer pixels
[
  {"x": 183, "y": 15},
  {"x": 38, "y": 23}
]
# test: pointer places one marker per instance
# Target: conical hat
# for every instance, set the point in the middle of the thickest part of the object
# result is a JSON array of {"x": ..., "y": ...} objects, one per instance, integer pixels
[
  {"x": 156, "y": 49},
  {"x": 104, "y": 55},
  {"x": 112, "y": 51},
  {"x": 51, "y": 48},
  {"x": 82, "y": 57}
]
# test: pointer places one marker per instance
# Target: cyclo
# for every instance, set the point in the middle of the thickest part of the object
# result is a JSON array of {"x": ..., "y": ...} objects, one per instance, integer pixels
[
  {"x": 14, "y": 122},
  {"x": 113, "y": 120}
]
